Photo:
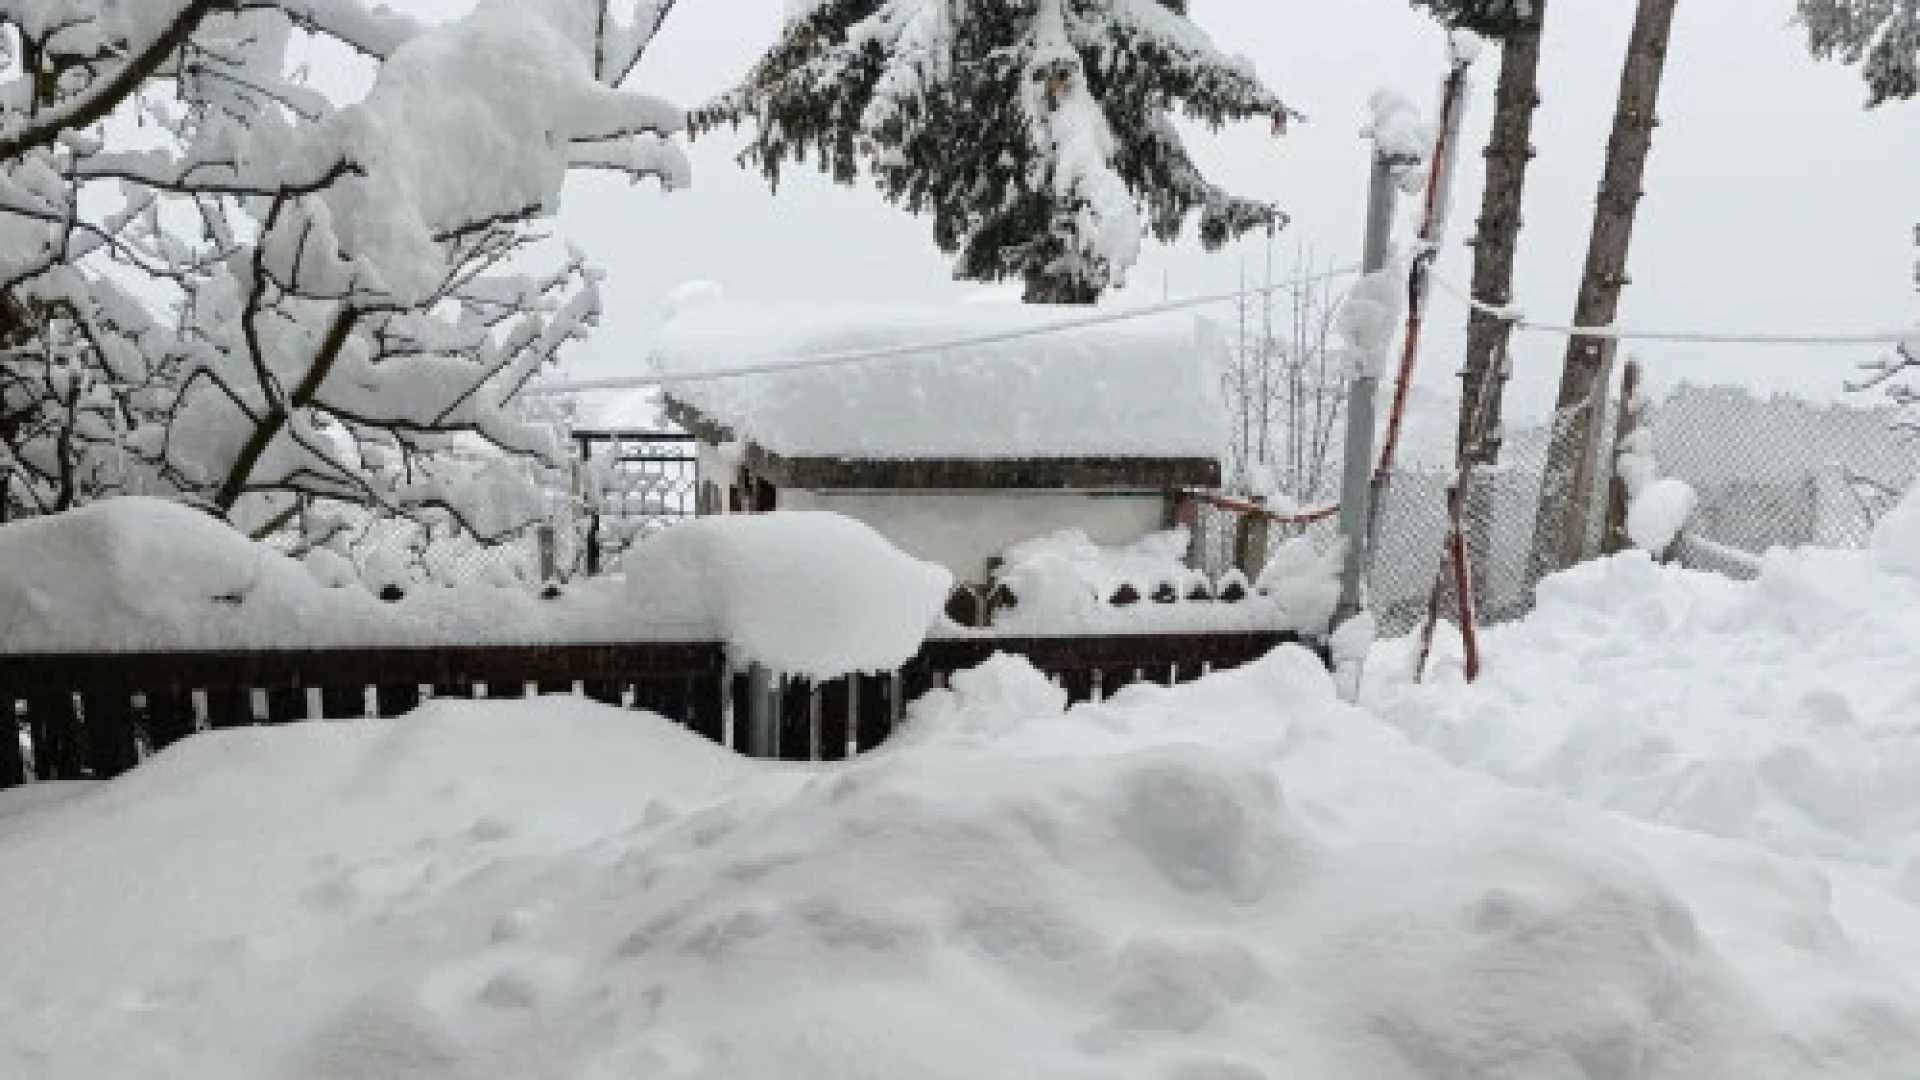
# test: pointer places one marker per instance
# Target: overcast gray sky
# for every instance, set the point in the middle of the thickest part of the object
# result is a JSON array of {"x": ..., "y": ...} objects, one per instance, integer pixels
[{"x": 1773, "y": 201}]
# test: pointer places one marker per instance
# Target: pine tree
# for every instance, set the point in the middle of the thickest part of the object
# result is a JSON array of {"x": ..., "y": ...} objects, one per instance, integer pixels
[
  {"x": 1882, "y": 36},
  {"x": 1517, "y": 25},
  {"x": 1037, "y": 133},
  {"x": 1499, "y": 19}
]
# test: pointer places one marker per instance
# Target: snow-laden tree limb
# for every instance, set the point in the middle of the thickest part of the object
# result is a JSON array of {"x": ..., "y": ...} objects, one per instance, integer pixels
[{"x": 337, "y": 302}]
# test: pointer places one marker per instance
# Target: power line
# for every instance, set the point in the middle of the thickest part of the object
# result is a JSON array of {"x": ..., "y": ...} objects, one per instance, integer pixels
[
  {"x": 1511, "y": 315},
  {"x": 913, "y": 349},
  {"x": 1692, "y": 337}
]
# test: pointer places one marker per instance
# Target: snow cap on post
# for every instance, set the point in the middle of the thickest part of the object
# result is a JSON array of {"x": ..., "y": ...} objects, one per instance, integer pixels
[{"x": 1401, "y": 136}]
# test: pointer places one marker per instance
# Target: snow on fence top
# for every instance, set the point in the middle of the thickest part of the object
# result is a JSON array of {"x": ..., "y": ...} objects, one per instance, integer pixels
[
  {"x": 1143, "y": 388},
  {"x": 804, "y": 594},
  {"x": 801, "y": 593}
]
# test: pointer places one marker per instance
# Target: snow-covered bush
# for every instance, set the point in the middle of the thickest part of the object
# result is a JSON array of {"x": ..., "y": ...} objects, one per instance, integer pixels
[{"x": 219, "y": 281}]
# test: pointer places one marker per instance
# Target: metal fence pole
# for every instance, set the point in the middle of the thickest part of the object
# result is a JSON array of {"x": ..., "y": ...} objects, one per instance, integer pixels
[
  {"x": 1356, "y": 488},
  {"x": 763, "y": 712}
]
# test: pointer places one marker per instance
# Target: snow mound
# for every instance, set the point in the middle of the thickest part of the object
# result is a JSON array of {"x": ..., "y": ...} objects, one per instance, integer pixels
[
  {"x": 1147, "y": 387},
  {"x": 1896, "y": 537},
  {"x": 798, "y": 592},
  {"x": 1784, "y": 712},
  {"x": 1064, "y": 583},
  {"x": 1067, "y": 570},
  {"x": 143, "y": 570},
  {"x": 1659, "y": 512},
  {"x": 137, "y": 573},
  {"x": 1241, "y": 879}
]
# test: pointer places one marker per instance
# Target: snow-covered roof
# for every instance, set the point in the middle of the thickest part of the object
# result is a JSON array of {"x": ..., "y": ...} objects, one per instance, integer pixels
[{"x": 1140, "y": 388}]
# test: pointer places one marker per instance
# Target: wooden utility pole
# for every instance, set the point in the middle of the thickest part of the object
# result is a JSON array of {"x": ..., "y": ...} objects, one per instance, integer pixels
[
  {"x": 1566, "y": 496},
  {"x": 1497, "y": 239}
]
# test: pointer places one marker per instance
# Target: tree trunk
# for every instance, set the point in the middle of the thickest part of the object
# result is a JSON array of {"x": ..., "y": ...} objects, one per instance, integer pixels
[
  {"x": 1566, "y": 497},
  {"x": 1496, "y": 240},
  {"x": 1044, "y": 288}
]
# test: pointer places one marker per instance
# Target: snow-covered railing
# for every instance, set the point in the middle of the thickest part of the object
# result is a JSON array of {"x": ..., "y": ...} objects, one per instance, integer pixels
[{"x": 98, "y": 714}]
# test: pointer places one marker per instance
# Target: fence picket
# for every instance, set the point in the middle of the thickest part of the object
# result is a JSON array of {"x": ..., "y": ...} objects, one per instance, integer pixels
[
  {"x": 83, "y": 721},
  {"x": 170, "y": 717},
  {"x": 13, "y": 763},
  {"x": 396, "y": 699},
  {"x": 229, "y": 707},
  {"x": 111, "y": 747},
  {"x": 56, "y": 745}
]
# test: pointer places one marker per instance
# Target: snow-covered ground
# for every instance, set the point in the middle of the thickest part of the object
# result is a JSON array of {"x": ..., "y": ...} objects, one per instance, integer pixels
[
  {"x": 1784, "y": 711},
  {"x": 1664, "y": 839}
]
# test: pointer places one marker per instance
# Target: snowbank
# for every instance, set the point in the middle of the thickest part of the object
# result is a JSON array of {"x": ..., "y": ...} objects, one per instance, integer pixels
[
  {"x": 798, "y": 592},
  {"x": 1896, "y": 537},
  {"x": 1237, "y": 880},
  {"x": 1146, "y": 387},
  {"x": 1783, "y": 711}
]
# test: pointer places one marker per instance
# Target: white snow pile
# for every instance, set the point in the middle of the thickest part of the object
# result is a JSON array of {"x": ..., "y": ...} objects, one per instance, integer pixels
[
  {"x": 1145, "y": 387},
  {"x": 142, "y": 573},
  {"x": 805, "y": 593},
  {"x": 1658, "y": 507},
  {"x": 1896, "y": 537},
  {"x": 1784, "y": 711},
  {"x": 1241, "y": 879},
  {"x": 1065, "y": 583},
  {"x": 798, "y": 592}
]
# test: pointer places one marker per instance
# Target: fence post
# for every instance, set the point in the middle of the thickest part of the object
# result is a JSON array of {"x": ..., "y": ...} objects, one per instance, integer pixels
[
  {"x": 763, "y": 713},
  {"x": 1356, "y": 488},
  {"x": 1251, "y": 534},
  {"x": 1614, "y": 539}
]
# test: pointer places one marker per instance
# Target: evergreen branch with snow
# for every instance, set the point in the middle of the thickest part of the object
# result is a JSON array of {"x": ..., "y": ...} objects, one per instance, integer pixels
[
  {"x": 1038, "y": 136},
  {"x": 1881, "y": 36}
]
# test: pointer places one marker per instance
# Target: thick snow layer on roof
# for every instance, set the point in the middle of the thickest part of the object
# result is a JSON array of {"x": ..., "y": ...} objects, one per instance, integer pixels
[
  {"x": 1138, "y": 388},
  {"x": 798, "y": 592},
  {"x": 1233, "y": 880}
]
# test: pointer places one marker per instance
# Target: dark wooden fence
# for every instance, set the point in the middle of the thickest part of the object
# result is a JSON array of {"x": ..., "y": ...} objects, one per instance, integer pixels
[{"x": 96, "y": 715}]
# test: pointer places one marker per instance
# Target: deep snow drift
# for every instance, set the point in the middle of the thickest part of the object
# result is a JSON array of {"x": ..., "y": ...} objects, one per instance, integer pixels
[
  {"x": 1235, "y": 880},
  {"x": 1785, "y": 711}
]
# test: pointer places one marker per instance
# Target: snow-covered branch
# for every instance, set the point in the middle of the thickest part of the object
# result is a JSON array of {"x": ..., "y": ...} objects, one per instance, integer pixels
[{"x": 340, "y": 302}]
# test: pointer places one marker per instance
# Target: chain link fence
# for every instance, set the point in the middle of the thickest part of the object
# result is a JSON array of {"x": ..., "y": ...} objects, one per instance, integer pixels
[
  {"x": 1780, "y": 471},
  {"x": 1769, "y": 472}
]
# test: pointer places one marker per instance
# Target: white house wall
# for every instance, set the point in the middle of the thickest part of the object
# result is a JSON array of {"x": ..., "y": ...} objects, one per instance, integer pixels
[{"x": 962, "y": 530}]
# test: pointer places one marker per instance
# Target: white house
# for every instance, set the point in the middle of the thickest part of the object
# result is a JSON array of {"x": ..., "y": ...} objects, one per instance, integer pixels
[{"x": 957, "y": 454}]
